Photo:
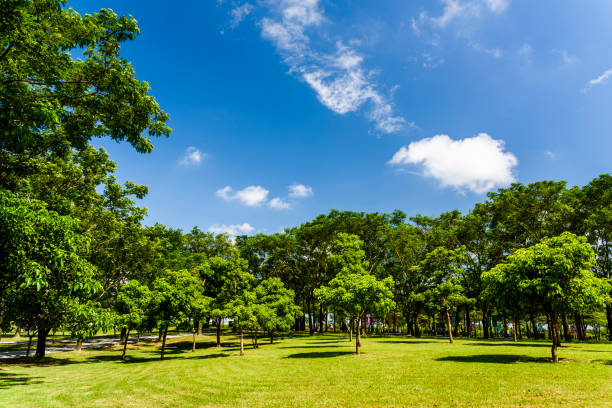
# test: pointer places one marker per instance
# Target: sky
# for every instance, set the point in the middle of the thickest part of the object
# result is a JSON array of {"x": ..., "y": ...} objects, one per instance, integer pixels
[{"x": 285, "y": 109}]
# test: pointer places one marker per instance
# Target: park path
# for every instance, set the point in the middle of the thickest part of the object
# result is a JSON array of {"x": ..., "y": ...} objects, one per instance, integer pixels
[{"x": 71, "y": 345}]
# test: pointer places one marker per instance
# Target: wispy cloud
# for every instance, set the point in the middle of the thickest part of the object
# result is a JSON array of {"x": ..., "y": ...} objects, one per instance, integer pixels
[
  {"x": 600, "y": 80},
  {"x": 239, "y": 13},
  {"x": 477, "y": 163},
  {"x": 461, "y": 16},
  {"x": 192, "y": 157},
  {"x": 339, "y": 79}
]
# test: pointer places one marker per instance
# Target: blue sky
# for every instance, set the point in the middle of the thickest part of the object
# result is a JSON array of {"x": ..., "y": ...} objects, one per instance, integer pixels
[{"x": 285, "y": 109}]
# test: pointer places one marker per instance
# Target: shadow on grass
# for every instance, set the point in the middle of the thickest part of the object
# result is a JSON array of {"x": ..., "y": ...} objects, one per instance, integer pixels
[
  {"x": 495, "y": 359},
  {"x": 510, "y": 344},
  {"x": 320, "y": 354},
  {"x": 8, "y": 380},
  {"x": 310, "y": 346},
  {"x": 408, "y": 341},
  {"x": 38, "y": 362},
  {"x": 140, "y": 359},
  {"x": 328, "y": 341}
]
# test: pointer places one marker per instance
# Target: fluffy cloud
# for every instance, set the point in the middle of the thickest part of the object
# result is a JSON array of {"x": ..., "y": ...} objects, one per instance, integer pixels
[
  {"x": 278, "y": 204},
  {"x": 300, "y": 191},
  {"x": 602, "y": 79},
  {"x": 478, "y": 163},
  {"x": 233, "y": 230},
  {"x": 338, "y": 79},
  {"x": 192, "y": 157},
  {"x": 252, "y": 196}
]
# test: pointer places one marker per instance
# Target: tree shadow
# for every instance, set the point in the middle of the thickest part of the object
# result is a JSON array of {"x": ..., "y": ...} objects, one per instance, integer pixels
[
  {"x": 140, "y": 359},
  {"x": 329, "y": 341},
  {"x": 409, "y": 341},
  {"x": 320, "y": 354},
  {"x": 510, "y": 344},
  {"x": 8, "y": 380},
  {"x": 37, "y": 362},
  {"x": 495, "y": 359},
  {"x": 311, "y": 346}
]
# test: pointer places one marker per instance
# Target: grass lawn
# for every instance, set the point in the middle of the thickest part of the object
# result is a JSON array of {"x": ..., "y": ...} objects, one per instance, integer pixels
[{"x": 317, "y": 371}]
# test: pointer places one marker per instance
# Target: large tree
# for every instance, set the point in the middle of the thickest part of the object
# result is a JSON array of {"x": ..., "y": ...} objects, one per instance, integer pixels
[
  {"x": 355, "y": 289},
  {"x": 557, "y": 273},
  {"x": 44, "y": 271}
]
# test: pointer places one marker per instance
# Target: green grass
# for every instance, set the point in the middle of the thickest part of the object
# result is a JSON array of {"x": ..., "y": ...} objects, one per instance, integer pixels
[{"x": 319, "y": 371}]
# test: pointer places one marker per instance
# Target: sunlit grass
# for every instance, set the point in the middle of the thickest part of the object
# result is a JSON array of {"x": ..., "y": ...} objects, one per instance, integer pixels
[{"x": 317, "y": 371}]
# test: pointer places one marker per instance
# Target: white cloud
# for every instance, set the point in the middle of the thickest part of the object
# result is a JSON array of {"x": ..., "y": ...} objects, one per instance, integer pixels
[
  {"x": 232, "y": 230},
  {"x": 602, "y": 79},
  {"x": 239, "y": 13},
  {"x": 192, "y": 157},
  {"x": 252, "y": 196},
  {"x": 549, "y": 154},
  {"x": 338, "y": 79},
  {"x": 300, "y": 191},
  {"x": 478, "y": 163},
  {"x": 278, "y": 204},
  {"x": 454, "y": 9},
  {"x": 497, "y": 6}
]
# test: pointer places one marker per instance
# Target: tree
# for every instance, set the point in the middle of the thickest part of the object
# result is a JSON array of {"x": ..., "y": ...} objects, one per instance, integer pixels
[
  {"x": 131, "y": 308},
  {"x": 86, "y": 319},
  {"x": 222, "y": 278},
  {"x": 444, "y": 268},
  {"x": 173, "y": 296},
  {"x": 276, "y": 308},
  {"x": 42, "y": 264},
  {"x": 354, "y": 289},
  {"x": 242, "y": 304},
  {"x": 557, "y": 273},
  {"x": 52, "y": 101}
]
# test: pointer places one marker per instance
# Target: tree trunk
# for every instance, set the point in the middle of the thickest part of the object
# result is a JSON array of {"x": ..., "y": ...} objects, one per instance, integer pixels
[
  {"x": 514, "y": 329},
  {"x": 218, "y": 332},
  {"x": 160, "y": 335},
  {"x": 241, "y": 338},
  {"x": 41, "y": 342},
  {"x": 163, "y": 349},
  {"x": 310, "y": 321},
  {"x": 18, "y": 332},
  {"x": 415, "y": 322},
  {"x": 534, "y": 327},
  {"x": 448, "y": 322},
  {"x": 358, "y": 331},
  {"x": 351, "y": 325},
  {"x": 122, "y": 338},
  {"x": 125, "y": 347},
  {"x": 468, "y": 322},
  {"x": 549, "y": 324},
  {"x": 199, "y": 327},
  {"x": 29, "y": 345},
  {"x": 193, "y": 345},
  {"x": 79, "y": 344},
  {"x": 320, "y": 318},
  {"x": 566, "y": 332},
  {"x": 485, "y": 323},
  {"x": 504, "y": 327},
  {"x": 457, "y": 322},
  {"x": 271, "y": 337},
  {"x": 555, "y": 337}
]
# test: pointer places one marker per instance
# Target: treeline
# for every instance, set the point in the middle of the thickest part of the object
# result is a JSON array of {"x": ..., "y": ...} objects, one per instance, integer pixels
[{"x": 74, "y": 254}]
